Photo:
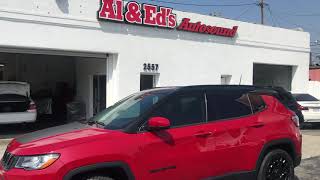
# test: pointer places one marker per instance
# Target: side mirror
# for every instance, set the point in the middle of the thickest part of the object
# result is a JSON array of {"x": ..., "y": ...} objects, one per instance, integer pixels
[{"x": 158, "y": 123}]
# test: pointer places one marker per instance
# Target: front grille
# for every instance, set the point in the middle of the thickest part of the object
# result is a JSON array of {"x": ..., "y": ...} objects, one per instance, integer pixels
[{"x": 8, "y": 160}]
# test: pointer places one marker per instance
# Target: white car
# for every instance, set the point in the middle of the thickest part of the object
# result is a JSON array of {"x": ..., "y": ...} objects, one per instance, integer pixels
[
  {"x": 310, "y": 107},
  {"x": 16, "y": 106}
]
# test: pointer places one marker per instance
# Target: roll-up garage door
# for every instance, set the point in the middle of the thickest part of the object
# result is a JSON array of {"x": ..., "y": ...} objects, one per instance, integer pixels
[
  {"x": 53, "y": 52},
  {"x": 272, "y": 75}
]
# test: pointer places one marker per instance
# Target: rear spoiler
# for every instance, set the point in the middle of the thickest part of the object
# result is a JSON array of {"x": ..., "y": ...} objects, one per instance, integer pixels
[{"x": 264, "y": 92}]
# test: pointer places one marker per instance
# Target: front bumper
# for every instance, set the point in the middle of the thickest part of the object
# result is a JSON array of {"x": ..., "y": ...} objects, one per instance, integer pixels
[
  {"x": 297, "y": 161},
  {"x": 18, "y": 117}
]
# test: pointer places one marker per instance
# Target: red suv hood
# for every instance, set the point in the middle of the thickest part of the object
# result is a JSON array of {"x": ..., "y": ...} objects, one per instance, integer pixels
[{"x": 52, "y": 139}]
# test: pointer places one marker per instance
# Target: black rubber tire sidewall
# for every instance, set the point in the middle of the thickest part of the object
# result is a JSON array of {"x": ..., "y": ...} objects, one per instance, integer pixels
[{"x": 267, "y": 159}]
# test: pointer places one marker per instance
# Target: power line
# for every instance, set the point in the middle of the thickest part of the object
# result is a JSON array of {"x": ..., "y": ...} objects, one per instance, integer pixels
[
  {"x": 271, "y": 15},
  {"x": 310, "y": 27},
  {"x": 292, "y": 14},
  {"x": 287, "y": 21},
  {"x": 244, "y": 12},
  {"x": 204, "y": 5}
]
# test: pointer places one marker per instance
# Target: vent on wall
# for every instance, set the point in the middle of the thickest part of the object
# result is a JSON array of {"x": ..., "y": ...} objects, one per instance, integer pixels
[{"x": 225, "y": 79}]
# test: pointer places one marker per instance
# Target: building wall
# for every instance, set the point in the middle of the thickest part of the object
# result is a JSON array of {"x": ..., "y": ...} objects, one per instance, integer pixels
[
  {"x": 85, "y": 69},
  {"x": 314, "y": 88},
  {"x": 314, "y": 75},
  {"x": 184, "y": 58}
]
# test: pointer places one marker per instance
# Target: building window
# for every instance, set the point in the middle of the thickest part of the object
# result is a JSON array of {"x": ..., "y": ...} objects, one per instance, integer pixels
[
  {"x": 2, "y": 72},
  {"x": 225, "y": 79}
]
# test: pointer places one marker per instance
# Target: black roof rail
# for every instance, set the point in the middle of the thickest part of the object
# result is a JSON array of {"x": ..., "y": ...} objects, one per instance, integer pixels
[{"x": 264, "y": 92}]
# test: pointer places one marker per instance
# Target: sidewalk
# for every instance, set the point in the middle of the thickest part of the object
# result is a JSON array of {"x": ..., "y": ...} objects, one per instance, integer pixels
[
  {"x": 310, "y": 146},
  {"x": 3, "y": 145}
]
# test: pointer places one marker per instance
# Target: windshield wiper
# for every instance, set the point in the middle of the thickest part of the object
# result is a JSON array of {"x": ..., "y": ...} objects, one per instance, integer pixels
[{"x": 91, "y": 122}]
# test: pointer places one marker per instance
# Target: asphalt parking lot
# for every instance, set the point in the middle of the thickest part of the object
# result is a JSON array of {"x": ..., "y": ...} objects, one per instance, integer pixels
[{"x": 308, "y": 170}]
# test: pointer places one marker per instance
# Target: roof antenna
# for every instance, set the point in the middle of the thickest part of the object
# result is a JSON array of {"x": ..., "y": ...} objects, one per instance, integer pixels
[{"x": 240, "y": 79}]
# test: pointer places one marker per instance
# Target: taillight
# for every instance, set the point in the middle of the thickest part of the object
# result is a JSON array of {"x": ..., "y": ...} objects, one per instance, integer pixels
[
  {"x": 32, "y": 107},
  {"x": 302, "y": 108},
  {"x": 295, "y": 120}
]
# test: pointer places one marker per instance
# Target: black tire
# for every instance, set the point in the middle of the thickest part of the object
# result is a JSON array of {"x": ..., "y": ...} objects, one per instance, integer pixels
[
  {"x": 276, "y": 165},
  {"x": 97, "y": 177}
]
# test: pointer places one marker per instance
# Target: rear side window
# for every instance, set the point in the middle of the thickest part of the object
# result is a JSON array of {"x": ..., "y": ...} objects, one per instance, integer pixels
[
  {"x": 257, "y": 102},
  {"x": 183, "y": 110},
  {"x": 227, "y": 105}
]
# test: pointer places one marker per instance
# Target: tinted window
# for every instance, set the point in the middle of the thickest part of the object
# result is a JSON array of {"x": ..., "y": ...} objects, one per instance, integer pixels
[
  {"x": 304, "y": 97},
  {"x": 226, "y": 105},
  {"x": 257, "y": 102},
  {"x": 130, "y": 109},
  {"x": 183, "y": 110}
]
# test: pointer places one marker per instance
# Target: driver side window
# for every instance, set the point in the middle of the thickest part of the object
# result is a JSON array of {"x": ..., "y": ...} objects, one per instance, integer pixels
[{"x": 182, "y": 110}]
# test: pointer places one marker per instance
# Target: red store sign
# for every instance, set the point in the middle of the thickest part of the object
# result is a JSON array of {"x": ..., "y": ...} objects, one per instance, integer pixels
[{"x": 157, "y": 16}]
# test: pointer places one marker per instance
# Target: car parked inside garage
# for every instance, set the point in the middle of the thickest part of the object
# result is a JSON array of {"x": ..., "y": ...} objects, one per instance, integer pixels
[{"x": 16, "y": 106}]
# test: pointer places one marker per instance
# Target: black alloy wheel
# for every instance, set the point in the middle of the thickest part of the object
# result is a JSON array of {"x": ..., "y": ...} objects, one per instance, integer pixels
[{"x": 277, "y": 165}]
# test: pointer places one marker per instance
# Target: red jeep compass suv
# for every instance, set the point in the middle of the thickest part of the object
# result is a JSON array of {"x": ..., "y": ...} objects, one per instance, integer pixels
[{"x": 187, "y": 133}]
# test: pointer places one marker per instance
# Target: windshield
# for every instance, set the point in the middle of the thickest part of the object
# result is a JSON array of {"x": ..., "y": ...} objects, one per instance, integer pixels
[
  {"x": 129, "y": 109},
  {"x": 305, "y": 97}
]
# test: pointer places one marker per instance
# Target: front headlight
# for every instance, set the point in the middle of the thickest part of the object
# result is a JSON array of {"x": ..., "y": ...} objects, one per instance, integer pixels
[{"x": 36, "y": 162}]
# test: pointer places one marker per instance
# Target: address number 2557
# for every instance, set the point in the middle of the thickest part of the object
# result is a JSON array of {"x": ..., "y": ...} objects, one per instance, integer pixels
[{"x": 150, "y": 67}]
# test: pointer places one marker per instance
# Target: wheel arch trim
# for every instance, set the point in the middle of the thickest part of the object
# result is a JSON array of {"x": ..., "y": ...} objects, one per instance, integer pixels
[
  {"x": 273, "y": 143},
  {"x": 105, "y": 165}
]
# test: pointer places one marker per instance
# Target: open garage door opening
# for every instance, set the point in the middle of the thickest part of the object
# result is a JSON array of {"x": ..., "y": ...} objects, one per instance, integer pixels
[
  {"x": 272, "y": 75},
  {"x": 63, "y": 88}
]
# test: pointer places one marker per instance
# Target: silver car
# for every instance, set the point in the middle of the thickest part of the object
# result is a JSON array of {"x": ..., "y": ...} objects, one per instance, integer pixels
[{"x": 310, "y": 107}]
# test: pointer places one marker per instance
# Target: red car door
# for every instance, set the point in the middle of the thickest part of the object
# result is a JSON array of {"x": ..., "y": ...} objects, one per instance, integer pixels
[
  {"x": 178, "y": 153},
  {"x": 236, "y": 146}
]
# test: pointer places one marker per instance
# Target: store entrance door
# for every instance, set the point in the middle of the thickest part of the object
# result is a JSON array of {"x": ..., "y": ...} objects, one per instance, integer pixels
[
  {"x": 99, "y": 93},
  {"x": 147, "y": 82}
]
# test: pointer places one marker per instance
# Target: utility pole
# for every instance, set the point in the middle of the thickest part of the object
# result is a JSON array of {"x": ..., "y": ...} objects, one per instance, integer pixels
[{"x": 261, "y": 4}]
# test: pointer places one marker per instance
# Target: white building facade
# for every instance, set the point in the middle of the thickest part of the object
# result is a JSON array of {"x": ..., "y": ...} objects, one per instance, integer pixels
[{"x": 128, "y": 57}]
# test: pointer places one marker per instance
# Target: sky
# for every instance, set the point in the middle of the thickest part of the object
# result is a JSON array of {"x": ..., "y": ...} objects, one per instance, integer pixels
[{"x": 303, "y": 14}]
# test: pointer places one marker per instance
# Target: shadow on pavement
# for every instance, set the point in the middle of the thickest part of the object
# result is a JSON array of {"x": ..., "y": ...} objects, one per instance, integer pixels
[
  {"x": 310, "y": 126},
  {"x": 9, "y": 131}
]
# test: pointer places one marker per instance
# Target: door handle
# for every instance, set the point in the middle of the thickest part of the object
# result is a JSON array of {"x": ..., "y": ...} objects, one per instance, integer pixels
[
  {"x": 257, "y": 125},
  {"x": 203, "y": 134}
]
